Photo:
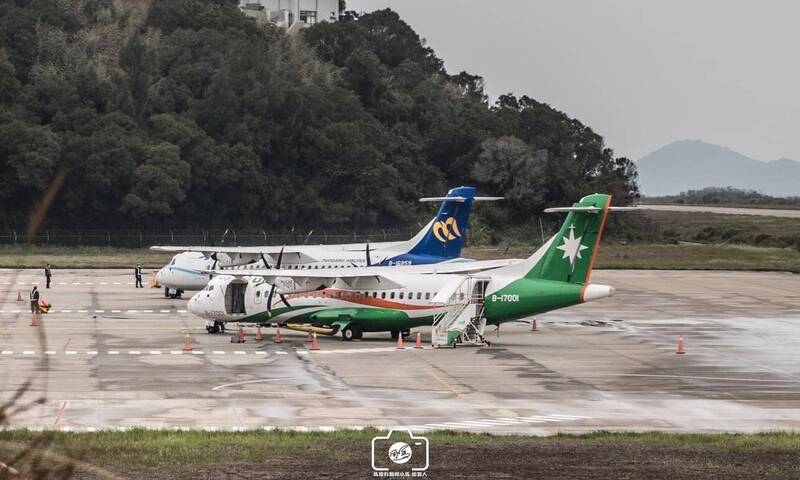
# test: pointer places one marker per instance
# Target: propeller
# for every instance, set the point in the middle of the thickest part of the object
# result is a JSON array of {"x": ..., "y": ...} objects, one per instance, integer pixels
[
  {"x": 272, "y": 289},
  {"x": 369, "y": 260},
  {"x": 213, "y": 265},
  {"x": 264, "y": 259}
]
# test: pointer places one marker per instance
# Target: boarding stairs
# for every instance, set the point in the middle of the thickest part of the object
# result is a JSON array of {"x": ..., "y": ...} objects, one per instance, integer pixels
[{"x": 463, "y": 320}]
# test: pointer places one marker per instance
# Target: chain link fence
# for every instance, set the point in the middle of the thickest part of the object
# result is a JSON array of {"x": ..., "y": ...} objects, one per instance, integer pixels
[{"x": 229, "y": 237}]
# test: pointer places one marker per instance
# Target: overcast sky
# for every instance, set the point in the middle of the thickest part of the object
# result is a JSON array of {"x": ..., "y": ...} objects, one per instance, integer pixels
[{"x": 641, "y": 73}]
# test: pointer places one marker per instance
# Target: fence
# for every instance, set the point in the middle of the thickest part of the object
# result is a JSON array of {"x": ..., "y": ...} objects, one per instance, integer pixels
[{"x": 144, "y": 238}]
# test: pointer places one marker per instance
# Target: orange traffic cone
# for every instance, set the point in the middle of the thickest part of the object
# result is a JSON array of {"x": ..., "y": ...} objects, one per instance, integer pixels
[
  {"x": 35, "y": 320},
  {"x": 400, "y": 344},
  {"x": 278, "y": 338},
  {"x": 681, "y": 346},
  {"x": 314, "y": 344},
  {"x": 534, "y": 326},
  {"x": 418, "y": 343},
  {"x": 187, "y": 344},
  {"x": 240, "y": 335},
  {"x": 258, "y": 334},
  {"x": 19, "y": 295}
]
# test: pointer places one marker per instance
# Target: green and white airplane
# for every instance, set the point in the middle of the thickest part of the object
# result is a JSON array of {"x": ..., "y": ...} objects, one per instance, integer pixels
[{"x": 458, "y": 300}]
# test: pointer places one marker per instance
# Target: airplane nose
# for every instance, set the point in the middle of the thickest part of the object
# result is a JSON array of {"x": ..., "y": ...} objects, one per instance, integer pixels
[
  {"x": 160, "y": 275},
  {"x": 194, "y": 305}
]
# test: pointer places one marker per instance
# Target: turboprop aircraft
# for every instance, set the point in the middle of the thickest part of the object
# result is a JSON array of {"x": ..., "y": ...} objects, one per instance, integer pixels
[
  {"x": 458, "y": 300},
  {"x": 439, "y": 241}
]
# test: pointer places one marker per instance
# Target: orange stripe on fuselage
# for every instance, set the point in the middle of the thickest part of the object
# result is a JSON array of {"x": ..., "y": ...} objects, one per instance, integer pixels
[
  {"x": 597, "y": 244},
  {"x": 350, "y": 296}
]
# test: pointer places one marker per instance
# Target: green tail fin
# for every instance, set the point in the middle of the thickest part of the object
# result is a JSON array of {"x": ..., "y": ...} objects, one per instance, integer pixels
[{"x": 569, "y": 255}]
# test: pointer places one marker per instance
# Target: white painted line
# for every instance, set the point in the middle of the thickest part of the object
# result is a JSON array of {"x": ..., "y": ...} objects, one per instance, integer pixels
[
  {"x": 239, "y": 352},
  {"x": 99, "y": 311},
  {"x": 50, "y": 352},
  {"x": 218, "y": 352},
  {"x": 15, "y": 311},
  {"x": 181, "y": 311},
  {"x": 197, "y": 352},
  {"x": 82, "y": 311},
  {"x": 91, "y": 352},
  {"x": 164, "y": 311},
  {"x": 113, "y": 352},
  {"x": 133, "y": 311},
  {"x": 116, "y": 311},
  {"x": 260, "y": 352},
  {"x": 147, "y": 311},
  {"x": 7, "y": 352},
  {"x": 155, "y": 352},
  {"x": 71, "y": 352},
  {"x": 134, "y": 352},
  {"x": 302, "y": 352},
  {"x": 117, "y": 283},
  {"x": 281, "y": 352},
  {"x": 28, "y": 352},
  {"x": 66, "y": 311},
  {"x": 62, "y": 283},
  {"x": 76, "y": 283},
  {"x": 175, "y": 352}
]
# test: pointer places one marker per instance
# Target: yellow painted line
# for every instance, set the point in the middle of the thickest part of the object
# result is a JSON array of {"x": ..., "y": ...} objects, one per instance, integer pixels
[{"x": 443, "y": 382}]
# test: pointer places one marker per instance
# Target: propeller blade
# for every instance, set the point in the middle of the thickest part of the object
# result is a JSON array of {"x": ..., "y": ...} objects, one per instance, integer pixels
[
  {"x": 264, "y": 259},
  {"x": 213, "y": 265},
  {"x": 280, "y": 258},
  {"x": 269, "y": 301},
  {"x": 369, "y": 260},
  {"x": 283, "y": 299},
  {"x": 308, "y": 235}
]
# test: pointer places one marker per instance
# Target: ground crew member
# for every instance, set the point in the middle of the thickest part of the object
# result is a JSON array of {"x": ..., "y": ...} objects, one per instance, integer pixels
[
  {"x": 138, "y": 273},
  {"x": 34, "y": 300},
  {"x": 47, "y": 274}
]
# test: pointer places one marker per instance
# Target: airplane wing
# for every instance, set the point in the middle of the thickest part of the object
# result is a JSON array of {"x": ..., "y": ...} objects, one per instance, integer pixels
[
  {"x": 373, "y": 278},
  {"x": 324, "y": 278},
  {"x": 294, "y": 253}
]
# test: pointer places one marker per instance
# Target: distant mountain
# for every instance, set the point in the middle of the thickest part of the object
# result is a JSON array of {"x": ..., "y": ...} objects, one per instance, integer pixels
[{"x": 693, "y": 164}]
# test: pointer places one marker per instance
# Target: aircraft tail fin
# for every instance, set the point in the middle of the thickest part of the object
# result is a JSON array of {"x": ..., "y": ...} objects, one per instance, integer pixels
[
  {"x": 569, "y": 255},
  {"x": 444, "y": 236}
]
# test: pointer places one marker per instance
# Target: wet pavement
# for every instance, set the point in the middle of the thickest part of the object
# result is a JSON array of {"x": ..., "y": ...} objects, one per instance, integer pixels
[{"x": 111, "y": 356}]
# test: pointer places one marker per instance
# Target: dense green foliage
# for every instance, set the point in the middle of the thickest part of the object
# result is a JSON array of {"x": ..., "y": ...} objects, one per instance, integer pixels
[
  {"x": 726, "y": 196},
  {"x": 187, "y": 113}
]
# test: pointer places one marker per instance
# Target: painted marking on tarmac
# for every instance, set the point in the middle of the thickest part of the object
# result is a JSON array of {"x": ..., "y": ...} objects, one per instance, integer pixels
[
  {"x": 7, "y": 352},
  {"x": 496, "y": 422},
  {"x": 113, "y": 352},
  {"x": 64, "y": 406},
  {"x": 28, "y": 352}
]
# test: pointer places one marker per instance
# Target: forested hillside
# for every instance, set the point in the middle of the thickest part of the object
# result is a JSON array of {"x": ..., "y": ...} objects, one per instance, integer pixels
[{"x": 185, "y": 113}]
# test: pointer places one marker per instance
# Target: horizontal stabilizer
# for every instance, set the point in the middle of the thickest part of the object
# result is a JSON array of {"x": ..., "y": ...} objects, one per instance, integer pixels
[
  {"x": 460, "y": 199},
  {"x": 572, "y": 209}
]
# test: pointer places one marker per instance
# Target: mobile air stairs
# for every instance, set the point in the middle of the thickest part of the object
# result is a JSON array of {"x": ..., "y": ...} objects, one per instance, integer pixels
[{"x": 463, "y": 320}]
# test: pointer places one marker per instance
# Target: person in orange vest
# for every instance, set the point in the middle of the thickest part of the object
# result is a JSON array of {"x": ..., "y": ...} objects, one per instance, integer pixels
[{"x": 34, "y": 299}]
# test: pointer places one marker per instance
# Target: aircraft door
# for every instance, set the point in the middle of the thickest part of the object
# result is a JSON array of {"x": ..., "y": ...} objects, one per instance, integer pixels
[{"x": 234, "y": 297}]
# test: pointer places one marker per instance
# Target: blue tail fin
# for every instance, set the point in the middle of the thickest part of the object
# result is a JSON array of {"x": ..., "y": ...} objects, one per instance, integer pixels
[{"x": 445, "y": 236}]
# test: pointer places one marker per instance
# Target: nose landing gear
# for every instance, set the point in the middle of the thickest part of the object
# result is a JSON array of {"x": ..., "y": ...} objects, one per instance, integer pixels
[{"x": 215, "y": 327}]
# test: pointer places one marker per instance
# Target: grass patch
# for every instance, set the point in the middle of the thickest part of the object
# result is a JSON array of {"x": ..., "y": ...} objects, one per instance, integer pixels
[
  {"x": 284, "y": 454},
  {"x": 80, "y": 257},
  {"x": 671, "y": 257}
]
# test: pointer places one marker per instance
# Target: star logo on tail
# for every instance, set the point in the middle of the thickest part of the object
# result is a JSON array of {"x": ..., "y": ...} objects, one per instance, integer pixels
[{"x": 572, "y": 246}]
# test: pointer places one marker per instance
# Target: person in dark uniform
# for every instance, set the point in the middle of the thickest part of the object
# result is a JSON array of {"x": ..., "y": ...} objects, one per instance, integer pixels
[
  {"x": 34, "y": 300},
  {"x": 138, "y": 273},
  {"x": 47, "y": 274}
]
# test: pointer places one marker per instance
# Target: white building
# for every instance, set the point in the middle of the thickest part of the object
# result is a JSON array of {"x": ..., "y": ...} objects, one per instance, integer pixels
[{"x": 291, "y": 14}]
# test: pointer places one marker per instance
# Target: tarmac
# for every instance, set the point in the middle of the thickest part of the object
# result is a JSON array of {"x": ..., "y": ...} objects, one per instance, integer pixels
[{"x": 110, "y": 356}]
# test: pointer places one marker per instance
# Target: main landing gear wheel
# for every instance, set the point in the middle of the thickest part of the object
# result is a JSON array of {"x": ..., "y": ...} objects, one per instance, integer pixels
[
  {"x": 352, "y": 332},
  {"x": 406, "y": 333},
  {"x": 395, "y": 334}
]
